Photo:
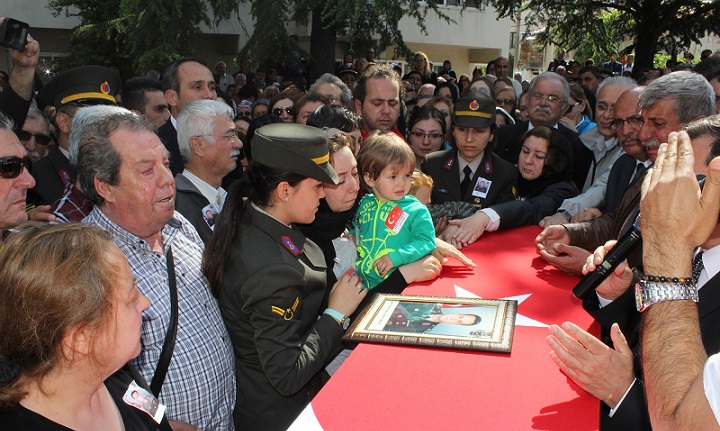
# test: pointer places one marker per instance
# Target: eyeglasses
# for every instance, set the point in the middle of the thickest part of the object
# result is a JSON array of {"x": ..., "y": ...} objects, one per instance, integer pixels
[
  {"x": 231, "y": 135},
  {"x": 12, "y": 166},
  {"x": 572, "y": 105},
  {"x": 550, "y": 98},
  {"x": 634, "y": 121},
  {"x": 287, "y": 109},
  {"x": 504, "y": 101},
  {"x": 40, "y": 138},
  {"x": 422, "y": 135}
]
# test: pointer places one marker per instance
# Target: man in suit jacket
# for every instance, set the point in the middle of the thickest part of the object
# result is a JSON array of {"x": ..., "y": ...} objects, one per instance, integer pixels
[
  {"x": 210, "y": 146},
  {"x": 603, "y": 142},
  {"x": 184, "y": 80},
  {"x": 549, "y": 94},
  {"x": 627, "y": 124},
  {"x": 614, "y": 302},
  {"x": 459, "y": 175},
  {"x": 82, "y": 86},
  {"x": 667, "y": 104}
]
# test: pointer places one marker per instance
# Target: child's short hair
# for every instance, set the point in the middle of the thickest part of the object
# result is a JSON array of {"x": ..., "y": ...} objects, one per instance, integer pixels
[
  {"x": 418, "y": 180},
  {"x": 380, "y": 150}
]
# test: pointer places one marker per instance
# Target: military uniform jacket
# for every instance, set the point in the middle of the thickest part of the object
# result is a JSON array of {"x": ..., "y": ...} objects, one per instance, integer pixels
[
  {"x": 52, "y": 173},
  {"x": 270, "y": 300},
  {"x": 442, "y": 166}
]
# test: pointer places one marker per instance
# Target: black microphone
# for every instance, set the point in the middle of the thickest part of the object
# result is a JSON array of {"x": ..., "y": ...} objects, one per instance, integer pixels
[{"x": 627, "y": 243}]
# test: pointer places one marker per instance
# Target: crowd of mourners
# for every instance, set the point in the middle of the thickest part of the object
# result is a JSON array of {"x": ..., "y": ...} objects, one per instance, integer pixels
[{"x": 185, "y": 251}]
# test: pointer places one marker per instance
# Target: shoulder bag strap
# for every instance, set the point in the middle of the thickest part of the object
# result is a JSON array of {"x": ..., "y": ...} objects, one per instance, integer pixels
[{"x": 169, "y": 345}]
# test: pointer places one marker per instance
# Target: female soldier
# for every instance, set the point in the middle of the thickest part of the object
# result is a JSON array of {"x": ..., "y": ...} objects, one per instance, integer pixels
[
  {"x": 270, "y": 279},
  {"x": 544, "y": 165}
]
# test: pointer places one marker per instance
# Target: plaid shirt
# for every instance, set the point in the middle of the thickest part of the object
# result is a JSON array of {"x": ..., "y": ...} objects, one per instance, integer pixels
[{"x": 199, "y": 387}]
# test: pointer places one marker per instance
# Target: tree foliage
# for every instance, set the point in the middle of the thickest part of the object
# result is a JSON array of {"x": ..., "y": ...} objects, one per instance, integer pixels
[
  {"x": 132, "y": 34},
  {"x": 359, "y": 21},
  {"x": 647, "y": 23}
]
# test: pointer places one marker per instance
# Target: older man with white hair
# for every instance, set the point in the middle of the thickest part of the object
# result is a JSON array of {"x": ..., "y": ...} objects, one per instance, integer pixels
[{"x": 210, "y": 148}]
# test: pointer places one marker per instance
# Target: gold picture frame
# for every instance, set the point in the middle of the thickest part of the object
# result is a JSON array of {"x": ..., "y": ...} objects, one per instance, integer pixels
[{"x": 434, "y": 321}]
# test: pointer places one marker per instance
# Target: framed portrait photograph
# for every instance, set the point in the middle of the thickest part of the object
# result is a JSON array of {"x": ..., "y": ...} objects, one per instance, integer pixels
[{"x": 436, "y": 321}]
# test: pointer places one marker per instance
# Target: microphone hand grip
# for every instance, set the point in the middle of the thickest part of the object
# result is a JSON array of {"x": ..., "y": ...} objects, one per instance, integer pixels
[{"x": 630, "y": 241}]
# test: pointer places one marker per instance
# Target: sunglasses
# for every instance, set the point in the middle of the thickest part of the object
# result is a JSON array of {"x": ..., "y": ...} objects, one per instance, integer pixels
[
  {"x": 40, "y": 138},
  {"x": 12, "y": 166},
  {"x": 287, "y": 109}
]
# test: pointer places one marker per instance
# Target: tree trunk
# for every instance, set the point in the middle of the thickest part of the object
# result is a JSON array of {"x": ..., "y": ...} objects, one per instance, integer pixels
[
  {"x": 322, "y": 47},
  {"x": 645, "y": 48}
]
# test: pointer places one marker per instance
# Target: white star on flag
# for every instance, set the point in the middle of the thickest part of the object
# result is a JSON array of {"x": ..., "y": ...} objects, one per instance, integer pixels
[{"x": 520, "y": 320}]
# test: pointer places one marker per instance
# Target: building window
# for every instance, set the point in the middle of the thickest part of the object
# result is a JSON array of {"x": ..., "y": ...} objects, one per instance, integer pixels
[{"x": 475, "y": 4}]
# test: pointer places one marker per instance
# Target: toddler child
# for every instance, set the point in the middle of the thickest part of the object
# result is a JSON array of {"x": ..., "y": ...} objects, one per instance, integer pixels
[{"x": 391, "y": 228}]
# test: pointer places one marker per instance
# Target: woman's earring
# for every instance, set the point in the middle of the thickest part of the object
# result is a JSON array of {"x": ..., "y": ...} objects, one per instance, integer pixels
[{"x": 286, "y": 199}]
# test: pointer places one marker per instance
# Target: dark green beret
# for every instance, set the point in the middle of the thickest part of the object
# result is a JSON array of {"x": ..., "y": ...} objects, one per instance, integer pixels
[{"x": 297, "y": 148}]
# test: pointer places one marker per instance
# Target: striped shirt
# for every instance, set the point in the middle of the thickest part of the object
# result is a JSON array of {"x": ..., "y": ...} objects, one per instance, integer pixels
[{"x": 199, "y": 387}]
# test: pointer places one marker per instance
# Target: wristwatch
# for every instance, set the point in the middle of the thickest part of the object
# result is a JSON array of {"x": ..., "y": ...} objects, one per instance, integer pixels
[
  {"x": 648, "y": 293},
  {"x": 343, "y": 320},
  {"x": 566, "y": 214}
]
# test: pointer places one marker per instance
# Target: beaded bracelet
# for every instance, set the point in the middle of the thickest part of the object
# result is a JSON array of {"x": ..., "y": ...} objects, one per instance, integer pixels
[{"x": 668, "y": 280}]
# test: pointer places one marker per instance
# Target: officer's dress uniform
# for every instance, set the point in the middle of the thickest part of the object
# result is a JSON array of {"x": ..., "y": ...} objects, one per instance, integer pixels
[
  {"x": 270, "y": 300},
  {"x": 442, "y": 166}
]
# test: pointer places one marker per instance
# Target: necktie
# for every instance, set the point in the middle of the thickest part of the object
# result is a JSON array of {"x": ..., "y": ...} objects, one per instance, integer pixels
[
  {"x": 697, "y": 265},
  {"x": 639, "y": 169},
  {"x": 466, "y": 181}
]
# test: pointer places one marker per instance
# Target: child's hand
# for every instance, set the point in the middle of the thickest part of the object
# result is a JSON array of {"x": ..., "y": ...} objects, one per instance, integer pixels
[
  {"x": 383, "y": 265},
  {"x": 351, "y": 237}
]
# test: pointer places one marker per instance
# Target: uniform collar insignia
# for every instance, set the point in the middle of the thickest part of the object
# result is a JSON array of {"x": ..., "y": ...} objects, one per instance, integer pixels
[
  {"x": 450, "y": 163},
  {"x": 290, "y": 245}
]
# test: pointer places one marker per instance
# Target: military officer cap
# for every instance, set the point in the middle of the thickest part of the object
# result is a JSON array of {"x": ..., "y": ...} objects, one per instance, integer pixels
[
  {"x": 297, "y": 148},
  {"x": 475, "y": 110},
  {"x": 86, "y": 85}
]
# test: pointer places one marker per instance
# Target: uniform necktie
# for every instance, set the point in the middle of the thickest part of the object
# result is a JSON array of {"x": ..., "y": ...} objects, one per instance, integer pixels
[
  {"x": 697, "y": 265},
  {"x": 466, "y": 181}
]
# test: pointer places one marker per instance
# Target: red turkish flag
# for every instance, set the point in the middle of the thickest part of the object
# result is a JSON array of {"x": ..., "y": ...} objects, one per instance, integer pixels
[{"x": 399, "y": 387}]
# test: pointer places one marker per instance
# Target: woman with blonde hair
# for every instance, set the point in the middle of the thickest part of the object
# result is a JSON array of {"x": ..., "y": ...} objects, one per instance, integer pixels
[{"x": 421, "y": 64}]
